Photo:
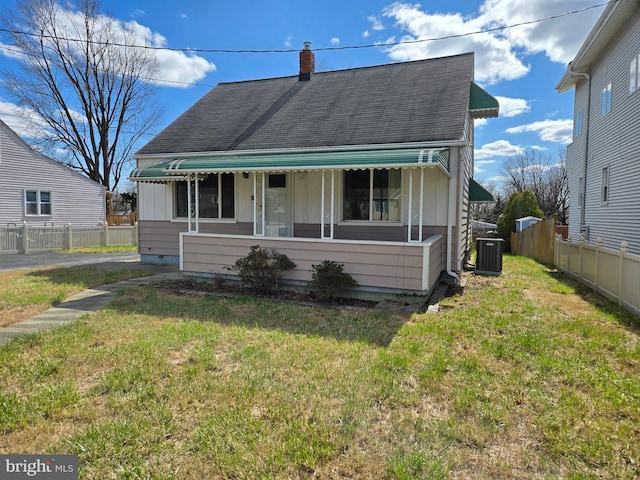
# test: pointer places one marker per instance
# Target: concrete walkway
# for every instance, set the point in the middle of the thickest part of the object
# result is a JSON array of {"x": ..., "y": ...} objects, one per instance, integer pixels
[{"x": 75, "y": 306}]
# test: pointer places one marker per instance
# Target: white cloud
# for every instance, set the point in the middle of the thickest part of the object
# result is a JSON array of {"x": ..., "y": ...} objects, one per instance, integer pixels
[
  {"x": 499, "y": 54},
  {"x": 376, "y": 23},
  {"x": 366, "y": 34},
  {"x": 183, "y": 15},
  {"x": 173, "y": 66},
  {"x": 11, "y": 52},
  {"x": 335, "y": 41},
  {"x": 558, "y": 38},
  {"x": 479, "y": 166},
  {"x": 14, "y": 117},
  {"x": 288, "y": 40},
  {"x": 512, "y": 107},
  {"x": 480, "y": 122},
  {"x": 557, "y": 131},
  {"x": 499, "y": 148}
]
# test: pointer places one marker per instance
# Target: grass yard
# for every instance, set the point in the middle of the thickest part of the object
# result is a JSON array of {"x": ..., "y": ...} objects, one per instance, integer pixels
[
  {"x": 24, "y": 294},
  {"x": 520, "y": 376}
]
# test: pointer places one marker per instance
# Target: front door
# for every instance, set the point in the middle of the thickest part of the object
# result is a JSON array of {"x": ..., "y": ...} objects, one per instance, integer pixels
[{"x": 277, "y": 206}]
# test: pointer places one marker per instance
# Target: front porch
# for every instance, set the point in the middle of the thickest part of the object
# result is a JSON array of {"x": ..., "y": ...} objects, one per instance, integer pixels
[{"x": 382, "y": 269}]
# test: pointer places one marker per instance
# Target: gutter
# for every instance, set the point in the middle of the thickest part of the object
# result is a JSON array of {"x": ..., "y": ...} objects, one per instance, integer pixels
[
  {"x": 451, "y": 211},
  {"x": 341, "y": 148}
]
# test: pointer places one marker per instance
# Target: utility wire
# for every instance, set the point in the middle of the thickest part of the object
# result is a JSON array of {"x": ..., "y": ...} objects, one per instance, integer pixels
[{"x": 321, "y": 49}]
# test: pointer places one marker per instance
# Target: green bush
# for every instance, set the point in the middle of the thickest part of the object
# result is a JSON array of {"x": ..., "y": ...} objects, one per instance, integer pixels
[
  {"x": 262, "y": 270},
  {"x": 328, "y": 281}
]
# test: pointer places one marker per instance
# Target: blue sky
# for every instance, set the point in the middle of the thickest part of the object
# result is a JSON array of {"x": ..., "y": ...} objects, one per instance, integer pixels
[{"x": 519, "y": 65}]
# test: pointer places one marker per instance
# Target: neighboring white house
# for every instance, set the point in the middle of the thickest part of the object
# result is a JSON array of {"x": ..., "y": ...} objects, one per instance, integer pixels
[
  {"x": 42, "y": 192},
  {"x": 369, "y": 167},
  {"x": 524, "y": 222},
  {"x": 603, "y": 162}
]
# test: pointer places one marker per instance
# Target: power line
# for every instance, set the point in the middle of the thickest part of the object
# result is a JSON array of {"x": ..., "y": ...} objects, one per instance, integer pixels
[{"x": 321, "y": 49}]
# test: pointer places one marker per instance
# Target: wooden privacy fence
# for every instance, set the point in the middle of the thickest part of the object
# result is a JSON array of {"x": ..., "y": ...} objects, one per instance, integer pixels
[
  {"x": 614, "y": 274},
  {"x": 536, "y": 241},
  {"x": 26, "y": 238}
]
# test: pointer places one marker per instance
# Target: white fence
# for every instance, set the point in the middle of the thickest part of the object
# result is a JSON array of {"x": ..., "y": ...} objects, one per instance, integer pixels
[
  {"x": 26, "y": 238},
  {"x": 613, "y": 274}
]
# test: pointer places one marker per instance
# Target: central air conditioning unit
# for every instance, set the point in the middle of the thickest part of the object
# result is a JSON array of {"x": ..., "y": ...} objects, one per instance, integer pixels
[{"x": 489, "y": 256}]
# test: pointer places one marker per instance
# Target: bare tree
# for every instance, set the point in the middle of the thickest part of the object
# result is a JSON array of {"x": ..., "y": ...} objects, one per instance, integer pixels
[
  {"x": 542, "y": 175},
  {"x": 81, "y": 76}
]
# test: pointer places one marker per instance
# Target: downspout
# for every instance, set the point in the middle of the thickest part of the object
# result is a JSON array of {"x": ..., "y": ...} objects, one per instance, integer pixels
[
  {"x": 586, "y": 147},
  {"x": 451, "y": 218}
]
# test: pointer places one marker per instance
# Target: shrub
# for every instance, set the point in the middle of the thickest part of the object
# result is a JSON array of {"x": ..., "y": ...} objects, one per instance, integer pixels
[
  {"x": 328, "y": 280},
  {"x": 262, "y": 270}
]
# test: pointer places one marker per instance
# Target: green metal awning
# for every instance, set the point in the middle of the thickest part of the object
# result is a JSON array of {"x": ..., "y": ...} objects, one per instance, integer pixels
[
  {"x": 155, "y": 173},
  {"x": 166, "y": 170},
  {"x": 477, "y": 193},
  {"x": 481, "y": 103}
]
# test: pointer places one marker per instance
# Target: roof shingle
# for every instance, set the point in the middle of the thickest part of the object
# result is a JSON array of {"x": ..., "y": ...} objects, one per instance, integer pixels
[{"x": 421, "y": 101}]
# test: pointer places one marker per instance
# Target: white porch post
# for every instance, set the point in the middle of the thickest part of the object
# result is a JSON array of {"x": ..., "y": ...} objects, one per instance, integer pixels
[
  {"x": 189, "y": 203},
  {"x": 421, "y": 219},
  {"x": 410, "y": 200},
  {"x": 323, "y": 201},
  {"x": 197, "y": 204}
]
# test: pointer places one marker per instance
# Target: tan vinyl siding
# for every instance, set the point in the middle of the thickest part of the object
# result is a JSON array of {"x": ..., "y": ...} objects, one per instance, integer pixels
[
  {"x": 398, "y": 266},
  {"x": 74, "y": 198},
  {"x": 614, "y": 142},
  {"x": 162, "y": 237}
]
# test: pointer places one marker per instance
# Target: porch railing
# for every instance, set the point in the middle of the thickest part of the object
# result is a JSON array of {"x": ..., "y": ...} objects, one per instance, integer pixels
[{"x": 27, "y": 238}]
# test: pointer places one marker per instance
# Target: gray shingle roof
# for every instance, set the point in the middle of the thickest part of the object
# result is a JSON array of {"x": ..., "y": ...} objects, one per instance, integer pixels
[{"x": 420, "y": 101}]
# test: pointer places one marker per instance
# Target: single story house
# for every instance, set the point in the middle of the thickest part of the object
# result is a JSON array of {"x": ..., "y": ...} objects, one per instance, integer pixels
[
  {"x": 370, "y": 167},
  {"x": 38, "y": 191},
  {"x": 525, "y": 222}
]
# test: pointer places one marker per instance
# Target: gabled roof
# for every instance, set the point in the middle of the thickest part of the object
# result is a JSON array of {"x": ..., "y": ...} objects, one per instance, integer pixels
[
  {"x": 613, "y": 19},
  {"x": 412, "y": 102}
]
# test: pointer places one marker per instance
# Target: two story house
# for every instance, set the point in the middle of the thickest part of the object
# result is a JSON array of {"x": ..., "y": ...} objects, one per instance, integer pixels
[{"x": 602, "y": 161}]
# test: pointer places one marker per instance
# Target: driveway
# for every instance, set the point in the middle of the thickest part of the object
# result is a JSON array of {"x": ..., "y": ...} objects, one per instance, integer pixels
[{"x": 122, "y": 260}]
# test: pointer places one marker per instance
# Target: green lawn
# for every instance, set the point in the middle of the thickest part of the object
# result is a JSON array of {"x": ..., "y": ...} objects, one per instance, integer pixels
[{"x": 519, "y": 376}]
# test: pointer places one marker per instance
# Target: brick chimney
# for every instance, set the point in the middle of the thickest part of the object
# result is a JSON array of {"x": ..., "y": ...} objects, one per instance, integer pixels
[{"x": 307, "y": 62}]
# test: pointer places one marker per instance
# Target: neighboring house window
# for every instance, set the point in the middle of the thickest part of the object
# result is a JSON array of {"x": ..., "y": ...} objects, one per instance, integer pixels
[
  {"x": 605, "y": 185},
  {"x": 634, "y": 74},
  {"x": 216, "y": 196},
  {"x": 605, "y": 106},
  {"x": 372, "y": 195},
  {"x": 37, "y": 202},
  {"x": 577, "y": 124}
]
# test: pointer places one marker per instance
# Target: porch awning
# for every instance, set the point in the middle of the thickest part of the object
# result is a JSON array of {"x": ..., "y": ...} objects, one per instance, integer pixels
[
  {"x": 165, "y": 171},
  {"x": 477, "y": 193},
  {"x": 155, "y": 173}
]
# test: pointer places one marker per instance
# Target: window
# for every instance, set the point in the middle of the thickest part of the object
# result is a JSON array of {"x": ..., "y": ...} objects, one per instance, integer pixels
[
  {"x": 216, "y": 196},
  {"x": 605, "y": 185},
  {"x": 605, "y": 106},
  {"x": 37, "y": 202},
  {"x": 634, "y": 74},
  {"x": 577, "y": 124},
  {"x": 372, "y": 195},
  {"x": 580, "y": 192}
]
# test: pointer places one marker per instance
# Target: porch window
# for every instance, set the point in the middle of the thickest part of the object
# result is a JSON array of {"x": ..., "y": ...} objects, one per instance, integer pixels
[
  {"x": 372, "y": 195},
  {"x": 37, "y": 202},
  {"x": 216, "y": 196}
]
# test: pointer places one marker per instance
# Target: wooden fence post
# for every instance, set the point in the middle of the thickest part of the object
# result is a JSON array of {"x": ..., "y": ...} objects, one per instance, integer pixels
[
  {"x": 623, "y": 248},
  {"x": 68, "y": 237}
]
